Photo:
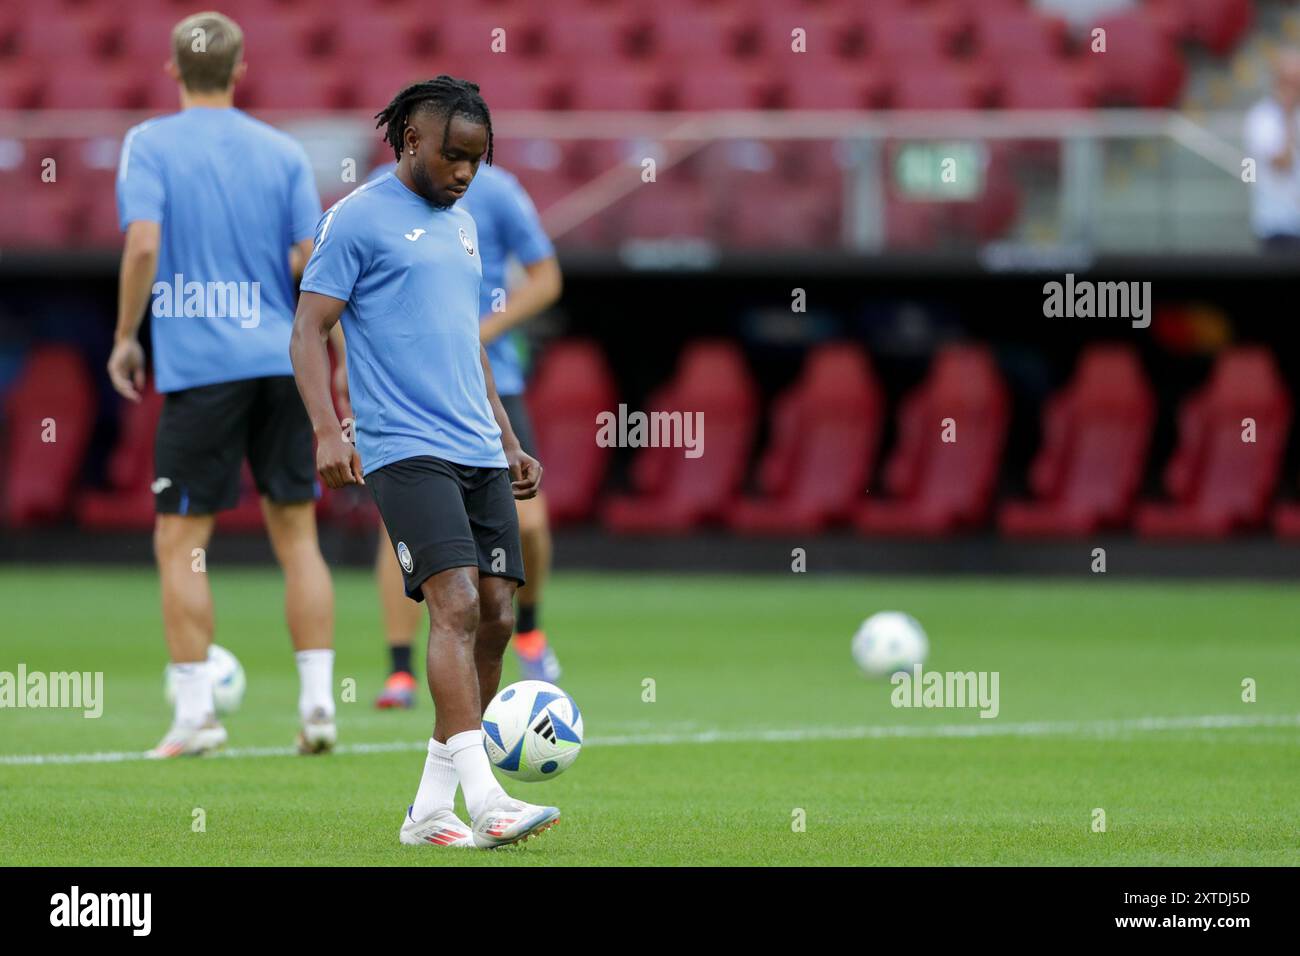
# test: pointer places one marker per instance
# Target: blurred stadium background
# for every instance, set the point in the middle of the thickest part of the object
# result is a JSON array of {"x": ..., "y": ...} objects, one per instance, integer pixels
[{"x": 775, "y": 172}]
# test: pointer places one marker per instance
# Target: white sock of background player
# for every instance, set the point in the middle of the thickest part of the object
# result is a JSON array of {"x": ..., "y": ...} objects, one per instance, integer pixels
[
  {"x": 315, "y": 682},
  {"x": 193, "y": 684}
]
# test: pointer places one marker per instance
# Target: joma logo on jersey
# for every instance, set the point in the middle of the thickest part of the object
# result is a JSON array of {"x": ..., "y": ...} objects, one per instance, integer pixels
[
  {"x": 414, "y": 234},
  {"x": 466, "y": 241}
]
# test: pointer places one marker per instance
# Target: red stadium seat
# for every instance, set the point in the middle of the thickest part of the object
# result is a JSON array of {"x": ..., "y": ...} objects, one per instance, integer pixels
[
  {"x": 1142, "y": 64},
  {"x": 128, "y": 502},
  {"x": 161, "y": 94},
  {"x": 935, "y": 486},
  {"x": 1046, "y": 84},
  {"x": 116, "y": 87},
  {"x": 811, "y": 85},
  {"x": 1286, "y": 521},
  {"x": 373, "y": 88},
  {"x": 1219, "y": 482},
  {"x": 601, "y": 84},
  {"x": 704, "y": 36},
  {"x": 70, "y": 37},
  {"x": 789, "y": 217},
  {"x": 472, "y": 35},
  {"x": 515, "y": 86},
  {"x": 20, "y": 84},
  {"x": 54, "y": 390},
  {"x": 571, "y": 387},
  {"x": 38, "y": 214},
  {"x": 381, "y": 34},
  {"x": 585, "y": 33},
  {"x": 668, "y": 210},
  {"x": 145, "y": 37},
  {"x": 936, "y": 85},
  {"x": 828, "y": 34},
  {"x": 1218, "y": 24},
  {"x": 923, "y": 33},
  {"x": 825, "y": 434},
  {"x": 1096, "y": 432},
  {"x": 297, "y": 86},
  {"x": 1010, "y": 34},
  {"x": 673, "y": 493},
  {"x": 719, "y": 86}
]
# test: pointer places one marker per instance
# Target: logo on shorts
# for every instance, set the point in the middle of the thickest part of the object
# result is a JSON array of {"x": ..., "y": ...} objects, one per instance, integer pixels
[
  {"x": 161, "y": 485},
  {"x": 404, "y": 555},
  {"x": 465, "y": 241}
]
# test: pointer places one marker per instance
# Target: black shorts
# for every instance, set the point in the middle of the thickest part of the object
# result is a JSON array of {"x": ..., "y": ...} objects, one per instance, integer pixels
[
  {"x": 522, "y": 425},
  {"x": 441, "y": 515},
  {"x": 204, "y": 434}
]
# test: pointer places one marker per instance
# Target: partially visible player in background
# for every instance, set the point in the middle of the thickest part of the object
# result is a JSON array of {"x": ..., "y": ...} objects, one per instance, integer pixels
[
  {"x": 509, "y": 230},
  {"x": 1270, "y": 137},
  {"x": 219, "y": 212}
]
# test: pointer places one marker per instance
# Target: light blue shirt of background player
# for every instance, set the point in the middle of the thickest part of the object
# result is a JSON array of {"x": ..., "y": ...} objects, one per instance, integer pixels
[
  {"x": 409, "y": 272},
  {"x": 508, "y": 228},
  {"x": 232, "y": 195}
]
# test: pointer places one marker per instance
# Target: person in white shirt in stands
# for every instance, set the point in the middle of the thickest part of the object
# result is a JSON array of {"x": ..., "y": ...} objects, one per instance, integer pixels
[{"x": 1271, "y": 143}]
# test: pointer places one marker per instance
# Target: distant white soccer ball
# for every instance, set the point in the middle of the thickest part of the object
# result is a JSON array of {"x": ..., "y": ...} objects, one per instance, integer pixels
[
  {"x": 228, "y": 681},
  {"x": 888, "y": 642},
  {"x": 532, "y": 730}
]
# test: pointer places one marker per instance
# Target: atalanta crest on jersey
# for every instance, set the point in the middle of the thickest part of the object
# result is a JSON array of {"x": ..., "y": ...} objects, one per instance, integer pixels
[
  {"x": 466, "y": 241},
  {"x": 404, "y": 555}
]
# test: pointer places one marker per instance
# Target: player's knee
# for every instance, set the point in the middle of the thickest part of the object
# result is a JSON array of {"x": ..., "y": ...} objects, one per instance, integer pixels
[
  {"x": 496, "y": 624},
  {"x": 175, "y": 539},
  {"x": 456, "y": 602}
]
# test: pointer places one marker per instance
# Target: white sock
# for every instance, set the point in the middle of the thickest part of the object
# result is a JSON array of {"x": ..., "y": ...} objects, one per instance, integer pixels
[
  {"x": 475, "y": 772},
  {"x": 316, "y": 682},
  {"x": 193, "y": 693},
  {"x": 437, "y": 784}
]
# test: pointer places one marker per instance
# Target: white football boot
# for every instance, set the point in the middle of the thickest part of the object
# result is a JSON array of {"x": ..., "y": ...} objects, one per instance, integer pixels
[
  {"x": 318, "y": 734},
  {"x": 190, "y": 740},
  {"x": 443, "y": 828},
  {"x": 512, "y": 821}
]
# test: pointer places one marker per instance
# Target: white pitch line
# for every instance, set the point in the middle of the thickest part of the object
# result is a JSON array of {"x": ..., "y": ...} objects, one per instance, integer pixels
[{"x": 1101, "y": 728}]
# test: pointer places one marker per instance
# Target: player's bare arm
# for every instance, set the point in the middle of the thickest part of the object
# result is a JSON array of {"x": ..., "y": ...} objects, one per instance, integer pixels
[
  {"x": 525, "y": 470},
  {"x": 337, "y": 459},
  {"x": 135, "y": 280},
  {"x": 539, "y": 291},
  {"x": 299, "y": 253}
]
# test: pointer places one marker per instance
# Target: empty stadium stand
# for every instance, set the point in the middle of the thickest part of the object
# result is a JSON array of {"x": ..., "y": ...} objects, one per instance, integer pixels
[
  {"x": 1232, "y": 433},
  {"x": 941, "y": 475},
  {"x": 689, "y": 55},
  {"x": 826, "y": 431},
  {"x": 672, "y": 492},
  {"x": 50, "y": 412},
  {"x": 1096, "y": 432}
]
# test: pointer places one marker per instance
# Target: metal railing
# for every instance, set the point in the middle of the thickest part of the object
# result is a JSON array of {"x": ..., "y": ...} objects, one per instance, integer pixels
[{"x": 1101, "y": 181}]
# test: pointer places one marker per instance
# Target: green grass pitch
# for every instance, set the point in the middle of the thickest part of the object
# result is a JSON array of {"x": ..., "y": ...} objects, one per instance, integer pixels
[{"x": 759, "y": 720}]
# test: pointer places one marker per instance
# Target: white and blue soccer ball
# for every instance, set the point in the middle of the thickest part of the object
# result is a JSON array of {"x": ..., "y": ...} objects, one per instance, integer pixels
[
  {"x": 228, "y": 681},
  {"x": 888, "y": 642},
  {"x": 532, "y": 730}
]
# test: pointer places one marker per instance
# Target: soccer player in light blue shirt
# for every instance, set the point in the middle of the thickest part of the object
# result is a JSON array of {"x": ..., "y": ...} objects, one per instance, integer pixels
[
  {"x": 398, "y": 264},
  {"x": 218, "y": 211},
  {"x": 509, "y": 231}
]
